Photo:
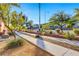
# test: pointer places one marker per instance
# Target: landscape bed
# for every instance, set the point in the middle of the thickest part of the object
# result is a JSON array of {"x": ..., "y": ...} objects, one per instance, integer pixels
[
  {"x": 54, "y": 35},
  {"x": 27, "y": 49}
]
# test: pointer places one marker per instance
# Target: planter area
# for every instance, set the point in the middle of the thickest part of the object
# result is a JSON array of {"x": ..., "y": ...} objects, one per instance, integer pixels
[
  {"x": 57, "y": 35},
  {"x": 13, "y": 48},
  {"x": 51, "y": 35}
]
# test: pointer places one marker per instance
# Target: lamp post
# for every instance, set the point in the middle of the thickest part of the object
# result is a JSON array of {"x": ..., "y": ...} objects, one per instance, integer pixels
[
  {"x": 38, "y": 35},
  {"x": 39, "y": 18}
]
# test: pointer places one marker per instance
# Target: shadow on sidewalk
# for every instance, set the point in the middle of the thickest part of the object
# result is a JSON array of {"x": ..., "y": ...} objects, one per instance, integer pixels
[
  {"x": 40, "y": 42},
  {"x": 38, "y": 51}
]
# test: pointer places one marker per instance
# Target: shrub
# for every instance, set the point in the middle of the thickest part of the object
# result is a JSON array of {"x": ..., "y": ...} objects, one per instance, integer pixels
[
  {"x": 58, "y": 30},
  {"x": 69, "y": 36},
  {"x": 14, "y": 43},
  {"x": 76, "y": 31},
  {"x": 51, "y": 32},
  {"x": 43, "y": 33},
  {"x": 10, "y": 33}
]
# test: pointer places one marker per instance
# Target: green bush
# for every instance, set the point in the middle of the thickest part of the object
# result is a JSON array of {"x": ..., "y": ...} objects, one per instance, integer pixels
[
  {"x": 76, "y": 31},
  {"x": 42, "y": 31},
  {"x": 46, "y": 32},
  {"x": 69, "y": 36},
  {"x": 14, "y": 43}
]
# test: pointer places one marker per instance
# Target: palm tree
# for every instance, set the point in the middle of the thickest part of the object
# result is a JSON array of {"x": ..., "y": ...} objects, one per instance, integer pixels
[
  {"x": 59, "y": 19},
  {"x": 21, "y": 19},
  {"x": 70, "y": 23},
  {"x": 14, "y": 19},
  {"x": 76, "y": 16},
  {"x": 18, "y": 20},
  {"x": 5, "y": 11},
  {"x": 74, "y": 19}
]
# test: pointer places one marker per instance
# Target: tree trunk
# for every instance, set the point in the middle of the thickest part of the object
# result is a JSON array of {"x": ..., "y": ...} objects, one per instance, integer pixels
[
  {"x": 61, "y": 28},
  {"x": 8, "y": 26},
  {"x": 11, "y": 31}
]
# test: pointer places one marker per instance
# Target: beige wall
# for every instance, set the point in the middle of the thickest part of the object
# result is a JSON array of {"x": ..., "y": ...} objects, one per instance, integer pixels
[{"x": 3, "y": 27}]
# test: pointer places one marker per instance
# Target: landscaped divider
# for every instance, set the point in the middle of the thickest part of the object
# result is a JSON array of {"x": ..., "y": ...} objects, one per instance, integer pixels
[
  {"x": 55, "y": 35},
  {"x": 51, "y": 35}
]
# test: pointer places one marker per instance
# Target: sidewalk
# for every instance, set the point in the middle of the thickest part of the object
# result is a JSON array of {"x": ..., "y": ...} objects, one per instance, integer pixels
[
  {"x": 50, "y": 47},
  {"x": 71, "y": 42}
]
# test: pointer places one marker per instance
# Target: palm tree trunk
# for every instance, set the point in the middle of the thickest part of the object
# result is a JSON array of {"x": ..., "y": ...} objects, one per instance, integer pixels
[{"x": 11, "y": 31}]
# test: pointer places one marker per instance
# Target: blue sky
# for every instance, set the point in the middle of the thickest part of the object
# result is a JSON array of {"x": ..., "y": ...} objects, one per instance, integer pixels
[{"x": 31, "y": 10}]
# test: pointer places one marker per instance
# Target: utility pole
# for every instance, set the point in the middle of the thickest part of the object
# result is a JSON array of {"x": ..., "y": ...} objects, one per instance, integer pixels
[
  {"x": 38, "y": 35},
  {"x": 39, "y": 18}
]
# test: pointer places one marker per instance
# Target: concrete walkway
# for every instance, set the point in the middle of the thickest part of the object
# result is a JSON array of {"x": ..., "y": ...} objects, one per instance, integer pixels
[
  {"x": 71, "y": 42},
  {"x": 50, "y": 47}
]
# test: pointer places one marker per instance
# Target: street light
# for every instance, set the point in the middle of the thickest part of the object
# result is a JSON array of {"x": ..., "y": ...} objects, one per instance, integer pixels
[
  {"x": 39, "y": 21},
  {"x": 39, "y": 18}
]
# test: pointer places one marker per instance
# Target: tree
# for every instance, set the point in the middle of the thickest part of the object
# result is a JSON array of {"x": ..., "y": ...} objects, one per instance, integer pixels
[
  {"x": 76, "y": 16},
  {"x": 73, "y": 20},
  {"x": 45, "y": 26},
  {"x": 6, "y": 8},
  {"x": 18, "y": 20},
  {"x": 14, "y": 21},
  {"x": 30, "y": 23},
  {"x": 5, "y": 12},
  {"x": 21, "y": 19},
  {"x": 70, "y": 23},
  {"x": 59, "y": 19}
]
